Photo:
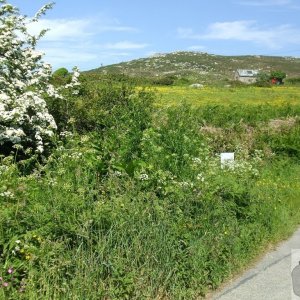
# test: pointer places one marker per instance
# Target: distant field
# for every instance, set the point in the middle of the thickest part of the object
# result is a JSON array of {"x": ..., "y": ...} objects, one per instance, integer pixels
[{"x": 170, "y": 96}]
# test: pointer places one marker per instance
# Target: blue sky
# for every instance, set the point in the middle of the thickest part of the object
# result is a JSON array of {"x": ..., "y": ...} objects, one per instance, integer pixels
[{"x": 91, "y": 33}]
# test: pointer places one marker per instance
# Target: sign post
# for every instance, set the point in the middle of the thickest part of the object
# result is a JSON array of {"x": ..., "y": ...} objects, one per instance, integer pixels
[{"x": 227, "y": 159}]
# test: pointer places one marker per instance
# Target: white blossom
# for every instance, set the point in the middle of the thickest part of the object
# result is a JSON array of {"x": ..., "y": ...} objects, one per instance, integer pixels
[{"x": 25, "y": 82}]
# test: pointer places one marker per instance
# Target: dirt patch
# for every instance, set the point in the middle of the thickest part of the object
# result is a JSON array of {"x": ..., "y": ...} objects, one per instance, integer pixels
[{"x": 279, "y": 125}]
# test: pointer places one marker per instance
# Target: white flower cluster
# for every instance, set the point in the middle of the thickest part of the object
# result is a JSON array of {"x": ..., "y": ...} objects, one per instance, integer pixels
[
  {"x": 243, "y": 167},
  {"x": 196, "y": 160},
  {"x": 143, "y": 176},
  {"x": 7, "y": 194},
  {"x": 24, "y": 82},
  {"x": 66, "y": 134},
  {"x": 200, "y": 177},
  {"x": 3, "y": 169},
  {"x": 117, "y": 174},
  {"x": 185, "y": 184}
]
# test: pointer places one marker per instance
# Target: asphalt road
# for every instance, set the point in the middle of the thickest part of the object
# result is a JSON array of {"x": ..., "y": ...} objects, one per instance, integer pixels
[{"x": 274, "y": 277}]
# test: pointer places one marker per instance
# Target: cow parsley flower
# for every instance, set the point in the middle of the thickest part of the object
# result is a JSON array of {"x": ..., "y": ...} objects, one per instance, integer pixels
[{"x": 143, "y": 176}]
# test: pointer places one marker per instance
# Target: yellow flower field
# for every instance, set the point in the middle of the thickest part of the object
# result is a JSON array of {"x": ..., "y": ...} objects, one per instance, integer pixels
[{"x": 169, "y": 96}]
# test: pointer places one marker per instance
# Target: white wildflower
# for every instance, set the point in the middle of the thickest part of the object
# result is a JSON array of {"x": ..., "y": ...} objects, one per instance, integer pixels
[
  {"x": 196, "y": 160},
  {"x": 7, "y": 194},
  {"x": 66, "y": 134},
  {"x": 143, "y": 177},
  {"x": 200, "y": 177},
  {"x": 117, "y": 173}
]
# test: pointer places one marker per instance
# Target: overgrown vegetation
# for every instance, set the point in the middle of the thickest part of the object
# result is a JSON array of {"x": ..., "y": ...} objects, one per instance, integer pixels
[
  {"x": 135, "y": 205},
  {"x": 131, "y": 201}
]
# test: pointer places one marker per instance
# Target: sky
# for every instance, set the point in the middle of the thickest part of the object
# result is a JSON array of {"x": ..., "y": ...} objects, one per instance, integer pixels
[{"x": 92, "y": 33}]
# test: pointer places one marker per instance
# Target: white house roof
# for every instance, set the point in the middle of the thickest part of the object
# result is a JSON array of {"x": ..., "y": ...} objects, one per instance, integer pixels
[{"x": 247, "y": 73}]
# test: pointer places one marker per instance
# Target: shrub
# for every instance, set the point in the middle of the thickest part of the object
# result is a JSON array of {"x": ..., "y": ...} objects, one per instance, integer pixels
[
  {"x": 277, "y": 76},
  {"x": 263, "y": 80},
  {"x": 293, "y": 81},
  {"x": 25, "y": 122},
  {"x": 167, "y": 80}
]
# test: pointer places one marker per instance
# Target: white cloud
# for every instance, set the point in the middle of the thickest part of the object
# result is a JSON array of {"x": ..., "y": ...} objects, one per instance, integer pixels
[
  {"x": 69, "y": 57},
  {"x": 290, "y": 4},
  {"x": 275, "y": 37},
  {"x": 61, "y": 29},
  {"x": 243, "y": 31},
  {"x": 63, "y": 56},
  {"x": 83, "y": 41},
  {"x": 267, "y": 3},
  {"x": 70, "y": 29},
  {"x": 118, "y": 28}
]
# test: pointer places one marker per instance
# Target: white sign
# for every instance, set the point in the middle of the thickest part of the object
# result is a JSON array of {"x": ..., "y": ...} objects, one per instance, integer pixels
[{"x": 227, "y": 158}]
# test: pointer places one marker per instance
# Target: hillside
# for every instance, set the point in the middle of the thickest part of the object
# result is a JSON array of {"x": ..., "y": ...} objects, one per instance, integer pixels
[{"x": 200, "y": 66}]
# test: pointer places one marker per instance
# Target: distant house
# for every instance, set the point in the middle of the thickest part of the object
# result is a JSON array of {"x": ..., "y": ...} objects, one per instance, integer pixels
[
  {"x": 246, "y": 76},
  {"x": 197, "y": 85}
]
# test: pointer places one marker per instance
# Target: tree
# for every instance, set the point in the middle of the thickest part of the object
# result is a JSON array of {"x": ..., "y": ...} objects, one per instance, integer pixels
[
  {"x": 25, "y": 122},
  {"x": 61, "y": 72},
  {"x": 278, "y": 76},
  {"x": 61, "y": 77},
  {"x": 263, "y": 79}
]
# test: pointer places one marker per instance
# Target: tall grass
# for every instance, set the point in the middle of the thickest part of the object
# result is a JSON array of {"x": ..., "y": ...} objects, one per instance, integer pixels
[{"x": 140, "y": 207}]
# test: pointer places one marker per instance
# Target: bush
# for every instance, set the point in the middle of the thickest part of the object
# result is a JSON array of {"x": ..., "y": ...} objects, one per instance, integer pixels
[
  {"x": 183, "y": 81},
  {"x": 24, "y": 78},
  {"x": 263, "y": 80},
  {"x": 26, "y": 127},
  {"x": 167, "y": 80},
  {"x": 279, "y": 75},
  {"x": 293, "y": 81}
]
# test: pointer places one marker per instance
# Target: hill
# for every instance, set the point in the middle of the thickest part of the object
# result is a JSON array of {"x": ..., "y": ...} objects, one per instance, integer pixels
[{"x": 199, "y": 66}]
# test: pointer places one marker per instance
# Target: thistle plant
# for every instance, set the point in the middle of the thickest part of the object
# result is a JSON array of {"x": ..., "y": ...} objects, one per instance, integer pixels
[{"x": 25, "y": 122}]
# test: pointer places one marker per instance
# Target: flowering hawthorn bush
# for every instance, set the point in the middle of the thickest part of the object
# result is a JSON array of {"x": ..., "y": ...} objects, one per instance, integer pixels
[{"x": 25, "y": 122}]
